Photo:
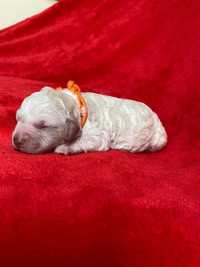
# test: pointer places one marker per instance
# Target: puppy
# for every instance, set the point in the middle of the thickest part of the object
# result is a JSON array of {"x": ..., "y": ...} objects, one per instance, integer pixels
[{"x": 50, "y": 120}]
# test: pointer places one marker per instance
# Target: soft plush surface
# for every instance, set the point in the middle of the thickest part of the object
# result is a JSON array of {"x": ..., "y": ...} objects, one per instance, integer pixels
[{"x": 110, "y": 209}]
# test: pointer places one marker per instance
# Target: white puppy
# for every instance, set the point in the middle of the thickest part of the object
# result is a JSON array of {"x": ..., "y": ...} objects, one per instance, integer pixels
[{"x": 50, "y": 120}]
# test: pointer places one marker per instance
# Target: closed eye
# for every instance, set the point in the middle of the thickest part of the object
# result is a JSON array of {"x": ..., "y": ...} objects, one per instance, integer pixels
[{"x": 41, "y": 125}]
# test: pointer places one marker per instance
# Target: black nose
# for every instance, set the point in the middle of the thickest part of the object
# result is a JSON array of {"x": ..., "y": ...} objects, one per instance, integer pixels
[{"x": 19, "y": 140}]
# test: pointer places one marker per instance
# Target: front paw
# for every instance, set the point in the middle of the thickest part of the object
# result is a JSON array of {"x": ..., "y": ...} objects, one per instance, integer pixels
[{"x": 62, "y": 149}]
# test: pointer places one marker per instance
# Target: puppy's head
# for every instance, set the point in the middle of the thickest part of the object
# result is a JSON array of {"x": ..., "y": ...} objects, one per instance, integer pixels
[{"x": 45, "y": 120}]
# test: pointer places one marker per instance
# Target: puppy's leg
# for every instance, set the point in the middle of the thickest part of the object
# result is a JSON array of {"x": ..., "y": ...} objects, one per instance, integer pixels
[
  {"x": 92, "y": 140},
  {"x": 62, "y": 149}
]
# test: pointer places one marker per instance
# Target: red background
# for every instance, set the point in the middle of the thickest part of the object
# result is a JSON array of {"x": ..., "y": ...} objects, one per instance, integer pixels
[{"x": 112, "y": 209}]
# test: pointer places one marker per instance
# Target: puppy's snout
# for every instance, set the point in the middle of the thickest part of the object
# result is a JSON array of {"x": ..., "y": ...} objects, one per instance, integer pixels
[{"x": 20, "y": 140}]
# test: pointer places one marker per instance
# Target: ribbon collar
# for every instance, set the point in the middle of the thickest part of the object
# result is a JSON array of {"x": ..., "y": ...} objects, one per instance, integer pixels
[{"x": 75, "y": 90}]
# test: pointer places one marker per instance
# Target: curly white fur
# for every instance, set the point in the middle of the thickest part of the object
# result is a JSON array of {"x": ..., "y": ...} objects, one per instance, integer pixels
[{"x": 113, "y": 123}]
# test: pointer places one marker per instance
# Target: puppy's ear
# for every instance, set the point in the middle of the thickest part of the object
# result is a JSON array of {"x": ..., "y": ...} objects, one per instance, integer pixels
[
  {"x": 72, "y": 122},
  {"x": 67, "y": 101},
  {"x": 72, "y": 128}
]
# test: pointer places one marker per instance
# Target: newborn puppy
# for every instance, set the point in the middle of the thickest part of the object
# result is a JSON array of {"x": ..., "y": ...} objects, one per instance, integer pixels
[{"x": 50, "y": 120}]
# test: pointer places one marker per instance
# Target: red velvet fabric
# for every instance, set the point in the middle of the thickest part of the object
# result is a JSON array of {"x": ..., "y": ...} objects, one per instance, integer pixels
[{"x": 112, "y": 209}]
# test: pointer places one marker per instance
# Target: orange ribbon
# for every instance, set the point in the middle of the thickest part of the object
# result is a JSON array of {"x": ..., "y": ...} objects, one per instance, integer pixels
[{"x": 75, "y": 89}]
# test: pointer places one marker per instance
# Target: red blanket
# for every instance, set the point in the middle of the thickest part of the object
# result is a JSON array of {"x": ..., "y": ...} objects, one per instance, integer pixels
[{"x": 112, "y": 209}]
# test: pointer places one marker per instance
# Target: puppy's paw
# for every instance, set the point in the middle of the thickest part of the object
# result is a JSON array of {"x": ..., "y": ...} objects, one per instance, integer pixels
[{"x": 62, "y": 149}]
